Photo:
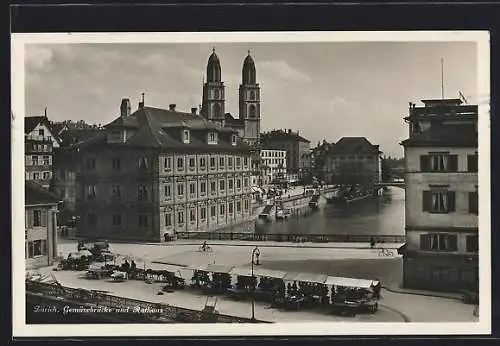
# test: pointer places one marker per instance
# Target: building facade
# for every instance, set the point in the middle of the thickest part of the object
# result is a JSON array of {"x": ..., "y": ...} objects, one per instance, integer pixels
[
  {"x": 441, "y": 215},
  {"x": 273, "y": 165},
  {"x": 353, "y": 160},
  {"x": 39, "y": 145},
  {"x": 157, "y": 172},
  {"x": 297, "y": 149},
  {"x": 40, "y": 226}
]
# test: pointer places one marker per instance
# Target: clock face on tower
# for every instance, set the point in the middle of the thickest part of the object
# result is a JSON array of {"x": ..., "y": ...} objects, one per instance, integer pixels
[{"x": 216, "y": 94}]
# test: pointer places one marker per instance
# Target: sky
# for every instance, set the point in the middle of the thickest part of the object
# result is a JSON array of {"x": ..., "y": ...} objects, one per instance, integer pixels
[{"x": 325, "y": 90}]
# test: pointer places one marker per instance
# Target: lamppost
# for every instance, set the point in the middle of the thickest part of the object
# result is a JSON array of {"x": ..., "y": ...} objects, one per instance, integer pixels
[{"x": 255, "y": 252}]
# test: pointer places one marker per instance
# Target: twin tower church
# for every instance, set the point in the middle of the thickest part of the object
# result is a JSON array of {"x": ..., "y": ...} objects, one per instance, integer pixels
[{"x": 213, "y": 99}]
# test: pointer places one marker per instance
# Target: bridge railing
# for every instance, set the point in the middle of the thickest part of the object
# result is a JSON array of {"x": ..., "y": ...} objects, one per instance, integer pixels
[{"x": 296, "y": 238}]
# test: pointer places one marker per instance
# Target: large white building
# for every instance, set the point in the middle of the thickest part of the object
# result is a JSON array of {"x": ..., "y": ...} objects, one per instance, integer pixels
[
  {"x": 441, "y": 197},
  {"x": 273, "y": 165}
]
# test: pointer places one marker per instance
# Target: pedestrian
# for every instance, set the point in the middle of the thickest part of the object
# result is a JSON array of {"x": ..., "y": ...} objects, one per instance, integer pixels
[
  {"x": 372, "y": 242},
  {"x": 133, "y": 266}
]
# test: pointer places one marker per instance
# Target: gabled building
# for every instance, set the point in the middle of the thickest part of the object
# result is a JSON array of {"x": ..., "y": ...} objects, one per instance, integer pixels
[
  {"x": 156, "y": 172},
  {"x": 39, "y": 144},
  {"x": 441, "y": 215},
  {"x": 353, "y": 160},
  {"x": 41, "y": 226}
]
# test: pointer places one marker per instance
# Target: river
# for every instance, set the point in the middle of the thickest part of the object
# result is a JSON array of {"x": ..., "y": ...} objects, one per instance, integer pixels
[{"x": 384, "y": 216}]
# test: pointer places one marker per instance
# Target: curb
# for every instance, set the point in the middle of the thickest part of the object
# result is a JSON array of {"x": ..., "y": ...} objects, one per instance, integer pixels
[{"x": 421, "y": 294}]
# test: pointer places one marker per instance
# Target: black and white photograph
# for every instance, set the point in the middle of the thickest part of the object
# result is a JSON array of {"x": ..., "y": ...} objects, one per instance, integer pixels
[{"x": 251, "y": 183}]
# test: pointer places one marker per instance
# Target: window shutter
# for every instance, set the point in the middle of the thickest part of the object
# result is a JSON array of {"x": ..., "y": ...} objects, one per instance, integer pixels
[
  {"x": 426, "y": 200},
  {"x": 451, "y": 201},
  {"x": 424, "y": 242},
  {"x": 424, "y": 163},
  {"x": 453, "y": 163},
  {"x": 452, "y": 242},
  {"x": 44, "y": 217},
  {"x": 30, "y": 218}
]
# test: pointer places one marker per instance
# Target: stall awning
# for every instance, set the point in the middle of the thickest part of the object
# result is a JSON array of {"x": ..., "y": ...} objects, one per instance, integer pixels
[
  {"x": 259, "y": 272},
  {"x": 349, "y": 282}
]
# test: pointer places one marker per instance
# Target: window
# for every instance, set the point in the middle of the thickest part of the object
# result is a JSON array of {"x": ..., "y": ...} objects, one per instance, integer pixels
[
  {"x": 203, "y": 213},
  {"x": 252, "y": 110},
  {"x": 238, "y": 183},
  {"x": 116, "y": 163},
  {"x": 230, "y": 184},
  {"x": 37, "y": 218},
  {"x": 36, "y": 176},
  {"x": 180, "y": 189},
  {"x": 168, "y": 190},
  {"x": 233, "y": 140},
  {"x": 192, "y": 215},
  {"x": 245, "y": 161},
  {"x": 180, "y": 164},
  {"x": 245, "y": 184},
  {"x": 439, "y": 201},
  {"x": 238, "y": 207},
  {"x": 212, "y": 211},
  {"x": 34, "y": 160},
  {"x": 212, "y": 138},
  {"x": 472, "y": 243},
  {"x": 142, "y": 193},
  {"x": 41, "y": 133},
  {"x": 222, "y": 209},
  {"x": 246, "y": 204},
  {"x": 230, "y": 161},
  {"x": 252, "y": 95},
  {"x": 192, "y": 188},
  {"x": 472, "y": 163},
  {"x": 192, "y": 163},
  {"x": 115, "y": 191},
  {"x": 438, "y": 242},
  {"x": 230, "y": 206},
  {"x": 212, "y": 163},
  {"x": 91, "y": 164},
  {"x": 203, "y": 162},
  {"x": 213, "y": 187},
  {"x": 91, "y": 191},
  {"x": 167, "y": 165},
  {"x": 46, "y": 175},
  {"x": 116, "y": 220},
  {"x": 143, "y": 220},
  {"x": 185, "y": 136},
  {"x": 168, "y": 220},
  {"x": 438, "y": 163},
  {"x": 203, "y": 187},
  {"x": 37, "y": 248},
  {"x": 222, "y": 184},
  {"x": 180, "y": 217},
  {"x": 143, "y": 163},
  {"x": 46, "y": 160},
  {"x": 473, "y": 202},
  {"x": 238, "y": 162},
  {"x": 221, "y": 162}
]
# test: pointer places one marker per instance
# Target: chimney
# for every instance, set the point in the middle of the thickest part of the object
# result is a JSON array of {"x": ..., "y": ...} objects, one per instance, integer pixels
[
  {"x": 193, "y": 110},
  {"x": 141, "y": 103},
  {"x": 125, "y": 108},
  {"x": 289, "y": 130},
  {"x": 171, "y": 107}
]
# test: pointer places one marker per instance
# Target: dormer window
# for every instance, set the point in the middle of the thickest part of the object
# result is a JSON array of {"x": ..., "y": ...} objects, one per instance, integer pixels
[
  {"x": 143, "y": 163},
  {"x": 185, "y": 136},
  {"x": 212, "y": 138},
  {"x": 233, "y": 139}
]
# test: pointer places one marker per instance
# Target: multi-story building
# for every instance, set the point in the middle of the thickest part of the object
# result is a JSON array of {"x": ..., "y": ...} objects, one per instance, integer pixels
[
  {"x": 273, "y": 165},
  {"x": 296, "y": 147},
  {"x": 156, "y": 172},
  {"x": 441, "y": 212},
  {"x": 38, "y": 149},
  {"x": 41, "y": 226},
  {"x": 353, "y": 160}
]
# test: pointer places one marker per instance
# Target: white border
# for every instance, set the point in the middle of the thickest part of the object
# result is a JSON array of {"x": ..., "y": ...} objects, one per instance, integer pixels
[{"x": 20, "y": 329}]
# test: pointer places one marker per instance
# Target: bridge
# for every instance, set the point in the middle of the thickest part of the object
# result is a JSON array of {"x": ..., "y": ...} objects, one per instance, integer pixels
[{"x": 400, "y": 184}]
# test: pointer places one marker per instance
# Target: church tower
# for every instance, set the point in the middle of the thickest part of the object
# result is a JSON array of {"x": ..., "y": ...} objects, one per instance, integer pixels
[
  {"x": 250, "y": 101},
  {"x": 213, "y": 92}
]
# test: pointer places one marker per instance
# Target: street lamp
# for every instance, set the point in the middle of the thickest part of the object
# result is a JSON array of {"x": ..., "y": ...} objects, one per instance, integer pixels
[{"x": 255, "y": 253}]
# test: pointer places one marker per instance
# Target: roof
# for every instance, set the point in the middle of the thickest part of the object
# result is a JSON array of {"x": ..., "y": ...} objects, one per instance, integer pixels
[
  {"x": 35, "y": 194},
  {"x": 354, "y": 145},
  {"x": 445, "y": 135},
  {"x": 73, "y": 136},
  {"x": 31, "y": 122},
  {"x": 451, "y": 102},
  {"x": 282, "y": 136},
  {"x": 56, "y": 128},
  {"x": 161, "y": 128}
]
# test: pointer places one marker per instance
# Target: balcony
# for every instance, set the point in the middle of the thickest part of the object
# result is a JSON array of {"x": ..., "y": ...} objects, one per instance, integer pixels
[{"x": 467, "y": 111}]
